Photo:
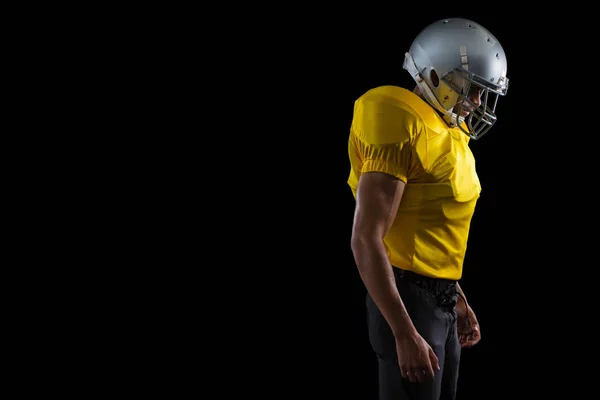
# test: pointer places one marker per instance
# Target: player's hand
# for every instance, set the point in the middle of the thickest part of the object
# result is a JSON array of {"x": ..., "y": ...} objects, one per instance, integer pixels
[
  {"x": 467, "y": 326},
  {"x": 416, "y": 358}
]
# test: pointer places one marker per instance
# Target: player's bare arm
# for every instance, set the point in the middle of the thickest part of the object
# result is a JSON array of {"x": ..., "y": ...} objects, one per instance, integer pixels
[
  {"x": 377, "y": 199},
  {"x": 469, "y": 331}
]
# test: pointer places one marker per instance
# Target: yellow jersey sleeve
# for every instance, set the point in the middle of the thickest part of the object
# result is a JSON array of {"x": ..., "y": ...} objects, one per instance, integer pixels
[{"x": 381, "y": 137}]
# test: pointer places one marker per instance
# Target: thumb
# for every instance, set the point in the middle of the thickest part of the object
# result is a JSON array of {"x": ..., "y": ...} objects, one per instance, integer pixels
[{"x": 434, "y": 360}]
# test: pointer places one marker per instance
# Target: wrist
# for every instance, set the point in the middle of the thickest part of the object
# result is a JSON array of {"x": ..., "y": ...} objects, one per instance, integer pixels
[{"x": 404, "y": 332}]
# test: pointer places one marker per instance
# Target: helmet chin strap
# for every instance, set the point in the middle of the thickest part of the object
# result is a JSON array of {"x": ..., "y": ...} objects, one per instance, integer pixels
[{"x": 409, "y": 65}]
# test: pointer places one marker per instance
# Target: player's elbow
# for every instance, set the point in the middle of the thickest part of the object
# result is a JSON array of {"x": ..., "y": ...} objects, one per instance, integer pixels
[{"x": 363, "y": 240}]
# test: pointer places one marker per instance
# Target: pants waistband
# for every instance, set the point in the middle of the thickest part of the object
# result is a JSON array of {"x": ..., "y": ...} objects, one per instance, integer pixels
[
  {"x": 414, "y": 277},
  {"x": 443, "y": 289}
]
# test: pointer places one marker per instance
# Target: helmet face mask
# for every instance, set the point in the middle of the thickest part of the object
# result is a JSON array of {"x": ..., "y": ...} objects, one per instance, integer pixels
[
  {"x": 469, "y": 64},
  {"x": 481, "y": 115}
]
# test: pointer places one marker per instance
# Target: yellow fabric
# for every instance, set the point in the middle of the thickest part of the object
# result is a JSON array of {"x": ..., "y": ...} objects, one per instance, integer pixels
[{"x": 396, "y": 132}]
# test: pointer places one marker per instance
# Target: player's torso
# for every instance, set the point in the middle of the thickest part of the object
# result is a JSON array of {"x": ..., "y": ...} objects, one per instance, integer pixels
[{"x": 431, "y": 228}]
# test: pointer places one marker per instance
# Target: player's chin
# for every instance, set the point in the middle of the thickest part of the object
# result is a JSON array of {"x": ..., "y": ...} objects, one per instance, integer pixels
[{"x": 464, "y": 113}]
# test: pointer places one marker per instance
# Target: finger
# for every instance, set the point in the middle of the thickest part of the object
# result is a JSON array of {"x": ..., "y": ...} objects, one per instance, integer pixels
[
  {"x": 403, "y": 372},
  {"x": 427, "y": 371},
  {"x": 433, "y": 361},
  {"x": 464, "y": 340},
  {"x": 428, "y": 374},
  {"x": 411, "y": 376},
  {"x": 419, "y": 375},
  {"x": 423, "y": 374},
  {"x": 472, "y": 340}
]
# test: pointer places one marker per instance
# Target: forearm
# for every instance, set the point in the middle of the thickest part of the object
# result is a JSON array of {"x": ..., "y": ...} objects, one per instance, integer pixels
[
  {"x": 376, "y": 273},
  {"x": 461, "y": 294}
]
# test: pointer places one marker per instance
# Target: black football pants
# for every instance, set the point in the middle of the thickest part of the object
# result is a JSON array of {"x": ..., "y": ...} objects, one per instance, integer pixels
[{"x": 431, "y": 306}]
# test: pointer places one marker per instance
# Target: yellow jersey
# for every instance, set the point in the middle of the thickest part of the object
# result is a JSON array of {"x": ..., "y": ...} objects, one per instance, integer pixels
[{"x": 396, "y": 132}]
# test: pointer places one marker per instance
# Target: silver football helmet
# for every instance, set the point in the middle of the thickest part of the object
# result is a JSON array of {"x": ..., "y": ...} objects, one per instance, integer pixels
[{"x": 466, "y": 57}]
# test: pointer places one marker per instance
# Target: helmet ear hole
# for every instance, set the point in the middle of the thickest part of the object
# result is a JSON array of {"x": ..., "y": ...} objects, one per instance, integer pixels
[{"x": 435, "y": 79}]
